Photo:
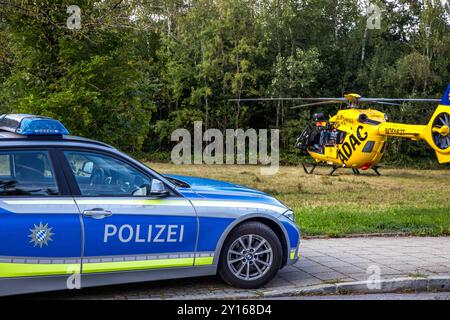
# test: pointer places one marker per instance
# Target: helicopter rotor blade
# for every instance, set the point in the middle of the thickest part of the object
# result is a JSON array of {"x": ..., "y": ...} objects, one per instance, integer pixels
[
  {"x": 381, "y": 102},
  {"x": 340, "y": 101},
  {"x": 397, "y": 100},
  {"x": 317, "y": 104},
  {"x": 323, "y": 99},
  {"x": 287, "y": 99}
]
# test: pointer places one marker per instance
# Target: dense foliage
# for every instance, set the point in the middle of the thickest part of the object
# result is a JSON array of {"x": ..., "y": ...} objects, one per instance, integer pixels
[{"x": 136, "y": 70}]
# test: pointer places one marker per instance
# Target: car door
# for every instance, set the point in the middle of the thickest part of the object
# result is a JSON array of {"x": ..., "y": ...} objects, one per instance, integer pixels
[
  {"x": 126, "y": 228},
  {"x": 40, "y": 225}
]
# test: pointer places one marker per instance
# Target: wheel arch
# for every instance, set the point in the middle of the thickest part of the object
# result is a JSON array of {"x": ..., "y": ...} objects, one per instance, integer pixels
[{"x": 266, "y": 219}]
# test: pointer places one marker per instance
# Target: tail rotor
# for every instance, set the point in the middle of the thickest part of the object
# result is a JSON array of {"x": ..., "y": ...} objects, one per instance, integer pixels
[
  {"x": 441, "y": 130},
  {"x": 437, "y": 133}
]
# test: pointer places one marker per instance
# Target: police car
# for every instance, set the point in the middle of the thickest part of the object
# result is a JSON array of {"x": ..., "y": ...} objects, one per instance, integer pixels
[{"x": 74, "y": 210}]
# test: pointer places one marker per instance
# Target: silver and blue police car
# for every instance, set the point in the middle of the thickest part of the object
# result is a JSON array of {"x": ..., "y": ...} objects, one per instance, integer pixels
[{"x": 77, "y": 212}]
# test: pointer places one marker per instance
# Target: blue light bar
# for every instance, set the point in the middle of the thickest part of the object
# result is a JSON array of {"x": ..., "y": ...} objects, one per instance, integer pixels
[{"x": 31, "y": 125}]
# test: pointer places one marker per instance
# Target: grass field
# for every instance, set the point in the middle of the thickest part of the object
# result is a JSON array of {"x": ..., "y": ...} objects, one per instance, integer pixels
[{"x": 400, "y": 201}]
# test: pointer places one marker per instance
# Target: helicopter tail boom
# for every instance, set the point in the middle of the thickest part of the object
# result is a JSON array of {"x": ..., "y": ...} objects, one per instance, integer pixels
[
  {"x": 409, "y": 131},
  {"x": 436, "y": 133}
]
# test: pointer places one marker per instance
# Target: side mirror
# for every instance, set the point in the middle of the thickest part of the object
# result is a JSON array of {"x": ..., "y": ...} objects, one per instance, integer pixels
[{"x": 158, "y": 189}]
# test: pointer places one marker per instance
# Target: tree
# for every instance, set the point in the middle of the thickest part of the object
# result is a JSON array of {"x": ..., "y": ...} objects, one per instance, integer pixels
[
  {"x": 93, "y": 79},
  {"x": 293, "y": 75},
  {"x": 137, "y": 69}
]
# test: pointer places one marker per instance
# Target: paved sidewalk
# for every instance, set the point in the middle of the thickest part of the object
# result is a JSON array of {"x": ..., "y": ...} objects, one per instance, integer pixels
[{"x": 323, "y": 261}]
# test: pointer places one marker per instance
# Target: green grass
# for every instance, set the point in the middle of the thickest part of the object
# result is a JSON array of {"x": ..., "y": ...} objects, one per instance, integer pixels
[
  {"x": 348, "y": 220},
  {"x": 401, "y": 201}
]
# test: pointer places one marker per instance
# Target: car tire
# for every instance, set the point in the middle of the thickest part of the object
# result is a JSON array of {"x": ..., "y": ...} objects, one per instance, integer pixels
[{"x": 251, "y": 256}]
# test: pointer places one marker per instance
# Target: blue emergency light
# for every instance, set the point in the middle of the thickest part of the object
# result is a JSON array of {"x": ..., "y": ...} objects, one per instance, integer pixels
[{"x": 31, "y": 125}]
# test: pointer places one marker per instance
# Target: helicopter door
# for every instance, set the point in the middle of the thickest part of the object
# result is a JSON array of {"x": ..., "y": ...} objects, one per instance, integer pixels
[
  {"x": 331, "y": 152},
  {"x": 334, "y": 137},
  {"x": 341, "y": 137}
]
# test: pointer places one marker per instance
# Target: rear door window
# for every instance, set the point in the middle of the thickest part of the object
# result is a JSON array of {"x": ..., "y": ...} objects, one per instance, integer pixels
[{"x": 26, "y": 173}]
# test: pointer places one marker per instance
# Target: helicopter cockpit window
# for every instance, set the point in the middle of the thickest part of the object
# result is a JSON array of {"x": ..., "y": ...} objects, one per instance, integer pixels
[
  {"x": 316, "y": 137},
  {"x": 332, "y": 137},
  {"x": 342, "y": 136}
]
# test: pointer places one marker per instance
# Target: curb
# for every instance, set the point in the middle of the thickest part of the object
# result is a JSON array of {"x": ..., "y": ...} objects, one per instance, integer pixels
[{"x": 419, "y": 284}]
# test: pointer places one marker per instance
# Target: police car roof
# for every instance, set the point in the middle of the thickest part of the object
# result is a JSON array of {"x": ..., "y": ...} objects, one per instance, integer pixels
[
  {"x": 23, "y": 128},
  {"x": 10, "y": 136}
]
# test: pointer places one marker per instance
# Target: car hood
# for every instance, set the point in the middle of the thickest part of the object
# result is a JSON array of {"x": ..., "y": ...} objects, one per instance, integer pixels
[{"x": 216, "y": 189}]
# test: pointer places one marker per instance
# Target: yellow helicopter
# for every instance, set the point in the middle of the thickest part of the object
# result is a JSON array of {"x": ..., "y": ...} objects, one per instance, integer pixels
[{"x": 356, "y": 138}]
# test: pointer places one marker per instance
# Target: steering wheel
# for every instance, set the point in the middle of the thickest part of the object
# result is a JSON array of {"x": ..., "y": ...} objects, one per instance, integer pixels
[
  {"x": 125, "y": 186},
  {"x": 97, "y": 178}
]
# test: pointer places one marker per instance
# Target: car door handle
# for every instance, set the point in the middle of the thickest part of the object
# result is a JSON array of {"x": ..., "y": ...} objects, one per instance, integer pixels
[{"x": 97, "y": 213}]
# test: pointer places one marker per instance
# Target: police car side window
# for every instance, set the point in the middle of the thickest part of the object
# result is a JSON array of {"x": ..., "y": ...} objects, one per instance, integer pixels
[
  {"x": 26, "y": 173},
  {"x": 101, "y": 175}
]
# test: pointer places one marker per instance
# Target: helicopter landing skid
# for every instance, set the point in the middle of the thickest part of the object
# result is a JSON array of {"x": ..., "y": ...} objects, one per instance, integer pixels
[
  {"x": 357, "y": 172},
  {"x": 375, "y": 168},
  {"x": 313, "y": 167},
  {"x": 334, "y": 168}
]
